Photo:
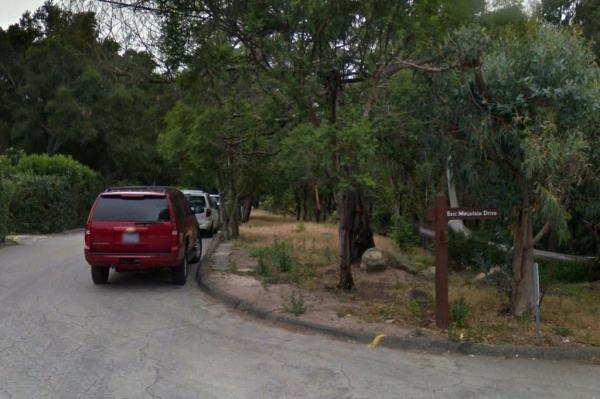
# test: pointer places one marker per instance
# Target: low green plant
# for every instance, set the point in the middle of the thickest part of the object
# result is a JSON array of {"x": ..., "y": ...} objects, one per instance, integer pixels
[
  {"x": 477, "y": 253},
  {"x": 562, "y": 331},
  {"x": 295, "y": 304},
  {"x": 403, "y": 233},
  {"x": 262, "y": 269},
  {"x": 459, "y": 313},
  {"x": 274, "y": 262},
  {"x": 300, "y": 227},
  {"x": 569, "y": 272},
  {"x": 4, "y": 202}
]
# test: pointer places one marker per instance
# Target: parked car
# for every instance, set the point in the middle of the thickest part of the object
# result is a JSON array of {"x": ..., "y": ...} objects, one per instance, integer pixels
[
  {"x": 135, "y": 228},
  {"x": 205, "y": 209},
  {"x": 217, "y": 199}
]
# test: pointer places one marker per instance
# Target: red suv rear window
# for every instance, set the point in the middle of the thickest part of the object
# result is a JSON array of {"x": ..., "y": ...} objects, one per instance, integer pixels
[{"x": 136, "y": 209}]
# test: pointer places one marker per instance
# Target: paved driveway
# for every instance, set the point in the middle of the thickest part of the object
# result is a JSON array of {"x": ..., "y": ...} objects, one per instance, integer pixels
[{"x": 140, "y": 337}]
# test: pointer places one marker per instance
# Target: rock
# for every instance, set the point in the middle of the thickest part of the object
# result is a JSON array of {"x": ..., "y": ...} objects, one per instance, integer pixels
[
  {"x": 419, "y": 296},
  {"x": 494, "y": 270},
  {"x": 374, "y": 260},
  {"x": 479, "y": 278},
  {"x": 428, "y": 273}
]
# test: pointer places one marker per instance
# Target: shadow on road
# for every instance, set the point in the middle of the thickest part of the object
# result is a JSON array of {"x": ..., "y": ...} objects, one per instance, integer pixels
[{"x": 145, "y": 279}]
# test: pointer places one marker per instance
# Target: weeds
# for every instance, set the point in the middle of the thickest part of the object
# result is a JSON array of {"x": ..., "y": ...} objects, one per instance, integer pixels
[
  {"x": 295, "y": 304},
  {"x": 562, "y": 331},
  {"x": 459, "y": 312}
]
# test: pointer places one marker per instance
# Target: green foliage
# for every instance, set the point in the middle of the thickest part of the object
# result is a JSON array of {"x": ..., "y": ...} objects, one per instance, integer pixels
[
  {"x": 403, "y": 233},
  {"x": 82, "y": 184},
  {"x": 48, "y": 193},
  {"x": 568, "y": 272},
  {"x": 562, "y": 331},
  {"x": 295, "y": 304},
  {"x": 65, "y": 90},
  {"x": 273, "y": 260},
  {"x": 4, "y": 206},
  {"x": 459, "y": 313},
  {"x": 476, "y": 253},
  {"x": 41, "y": 204}
]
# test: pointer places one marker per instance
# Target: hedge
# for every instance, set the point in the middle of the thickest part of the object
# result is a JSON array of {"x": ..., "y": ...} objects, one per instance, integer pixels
[
  {"x": 41, "y": 204},
  {"x": 4, "y": 197},
  {"x": 50, "y": 193}
]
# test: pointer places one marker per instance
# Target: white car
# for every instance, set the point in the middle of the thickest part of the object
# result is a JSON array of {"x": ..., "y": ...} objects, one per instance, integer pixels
[{"x": 205, "y": 209}]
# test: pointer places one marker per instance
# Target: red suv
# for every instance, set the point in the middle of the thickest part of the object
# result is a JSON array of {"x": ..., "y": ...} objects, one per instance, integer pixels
[{"x": 135, "y": 228}]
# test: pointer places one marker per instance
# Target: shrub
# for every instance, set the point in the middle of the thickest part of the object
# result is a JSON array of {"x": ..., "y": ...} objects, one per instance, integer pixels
[
  {"x": 41, "y": 204},
  {"x": 568, "y": 272},
  {"x": 39, "y": 181},
  {"x": 275, "y": 263},
  {"x": 459, "y": 312},
  {"x": 402, "y": 232},
  {"x": 4, "y": 198},
  {"x": 295, "y": 304},
  {"x": 5, "y": 193},
  {"x": 477, "y": 253}
]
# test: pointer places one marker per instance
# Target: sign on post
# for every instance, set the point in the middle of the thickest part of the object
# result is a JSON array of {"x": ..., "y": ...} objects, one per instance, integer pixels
[{"x": 439, "y": 215}]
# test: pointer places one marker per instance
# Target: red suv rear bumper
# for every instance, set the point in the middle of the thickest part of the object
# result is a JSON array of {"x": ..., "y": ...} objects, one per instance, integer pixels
[{"x": 132, "y": 261}]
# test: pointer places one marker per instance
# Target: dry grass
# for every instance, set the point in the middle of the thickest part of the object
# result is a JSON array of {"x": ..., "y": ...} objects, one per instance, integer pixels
[{"x": 570, "y": 312}]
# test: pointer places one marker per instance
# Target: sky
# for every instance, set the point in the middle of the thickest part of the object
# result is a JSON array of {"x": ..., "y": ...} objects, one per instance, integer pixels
[{"x": 11, "y": 10}]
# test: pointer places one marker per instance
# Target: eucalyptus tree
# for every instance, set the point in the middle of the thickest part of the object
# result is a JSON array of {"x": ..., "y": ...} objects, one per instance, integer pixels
[{"x": 524, "y": 122}]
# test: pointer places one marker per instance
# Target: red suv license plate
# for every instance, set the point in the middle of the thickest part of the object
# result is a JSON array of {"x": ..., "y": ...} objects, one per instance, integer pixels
[{"x": 130, "y": 238}]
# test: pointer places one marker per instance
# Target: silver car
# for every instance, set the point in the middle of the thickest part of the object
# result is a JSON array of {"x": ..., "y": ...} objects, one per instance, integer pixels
[{"x": 206, "y": 210}]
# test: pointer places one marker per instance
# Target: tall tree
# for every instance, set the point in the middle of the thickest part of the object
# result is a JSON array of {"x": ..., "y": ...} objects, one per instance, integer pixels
[
  {"x": 525, "y": 117},
  {"x": 315, "y": 51}
]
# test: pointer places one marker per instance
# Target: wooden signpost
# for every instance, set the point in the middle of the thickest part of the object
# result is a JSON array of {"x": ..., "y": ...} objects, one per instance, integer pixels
[{"x": 439, "y": 215}]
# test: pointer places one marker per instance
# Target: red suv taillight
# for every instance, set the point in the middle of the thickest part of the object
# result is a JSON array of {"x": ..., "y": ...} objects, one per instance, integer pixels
[
  {"x": 208, "y": 212},
  {"x": 174, "y": 237},
  {"x": 88, "y": 239}
]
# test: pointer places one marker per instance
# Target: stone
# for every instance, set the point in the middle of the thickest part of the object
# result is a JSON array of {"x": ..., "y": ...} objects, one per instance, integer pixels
[
  {"x": 479, "y": 278},
  {"x": 428, "y": 273},
  {"x": 374, "y": 260},
  {"x": 419, "y": 296}
]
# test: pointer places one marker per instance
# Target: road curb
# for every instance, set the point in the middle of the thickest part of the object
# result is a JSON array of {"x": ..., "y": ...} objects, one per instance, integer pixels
[{"x": 423, "y": 344}]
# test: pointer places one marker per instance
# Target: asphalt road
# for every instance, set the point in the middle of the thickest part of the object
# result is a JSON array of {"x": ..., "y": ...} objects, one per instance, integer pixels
[{"x": 140, "y": 337}]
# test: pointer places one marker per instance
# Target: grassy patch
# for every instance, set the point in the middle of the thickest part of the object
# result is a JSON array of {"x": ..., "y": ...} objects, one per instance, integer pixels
[{"x": 305, "y": 254}]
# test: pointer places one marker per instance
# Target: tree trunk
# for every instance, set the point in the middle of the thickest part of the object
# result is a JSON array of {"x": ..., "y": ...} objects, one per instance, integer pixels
[
  {"x": 230, "y": 205},
  {"x": 522, "y": 300},
  {"x": 355, "y": 234},
  {"x": 317, "y": 201},
  {"x": 457, "y": 226},
  {"x": 246, "y": 210},
  {"x": 346, "y": 281}
]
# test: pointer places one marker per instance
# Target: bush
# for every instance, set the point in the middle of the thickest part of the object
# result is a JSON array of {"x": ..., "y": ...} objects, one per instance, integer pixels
[
  {"x": 274, "y": 261},
  {"x": 4, "y": 198},
  {"x": 568, "y": 272},
  {"x": 295, "y": 304},
  {"x": 402, "y": 232},
  {"x": 51, "y": 193},
  {"x": 83, "y": 182},
  {"x": 477, "y": 253},
  {"x": 5, "y": 192},
  {"x": 459, "y": 312},
  {"x": 41, "y": 204},
  {"x": 44, "y": 194}
]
